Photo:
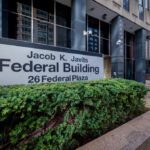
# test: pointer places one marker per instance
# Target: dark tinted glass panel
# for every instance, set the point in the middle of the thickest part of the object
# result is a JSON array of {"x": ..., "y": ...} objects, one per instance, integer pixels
[
  {"x": 93, "y": 44},
  {"x": 148, "y": 66},
  {"x": 141, "y": 12},
  {"x": 44, "y": 10},
  {"x": 12, "y": 5},
  {"x": 105, "y": 46},
  {"x": 63, "y": 15},
  {"x": 133, "y": 69},
  {"x": 126, "y": 4},
  {"x": 141, "y": 9},
  {"x": 104, "y": 27},
  {"x": 129, "y": 69},
  {"x": 129, "y": 52},
  {"x": 129, "y": 38},
  {"x": 93, "y": 25},
  {"x": 18, "y": 22},
  {"x": 129, "y": 45},
  {"x": 43, "y": 22},
  {"x": 129, "y": 55},
  {"x": 43, "y": 32},
  {"x": 63, "y": 37}
]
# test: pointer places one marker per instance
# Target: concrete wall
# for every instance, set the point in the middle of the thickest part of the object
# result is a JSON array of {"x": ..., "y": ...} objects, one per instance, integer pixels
[{"x": 133, "y": 14}]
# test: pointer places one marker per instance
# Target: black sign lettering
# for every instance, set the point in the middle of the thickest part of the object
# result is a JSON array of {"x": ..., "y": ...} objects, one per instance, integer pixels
[
  {"x": 16, "y": 67},
  {"x": 2, "y": 64},
  {"x": 62, "y": 57}
]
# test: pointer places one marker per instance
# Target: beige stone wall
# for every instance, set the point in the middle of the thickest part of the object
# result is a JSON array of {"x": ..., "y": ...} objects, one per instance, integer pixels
[
  {"x": 107, "y": 67},
  {"x": 133, "y": 15}
]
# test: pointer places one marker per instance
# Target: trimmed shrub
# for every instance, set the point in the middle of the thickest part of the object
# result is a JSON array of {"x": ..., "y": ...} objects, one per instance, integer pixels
[{"x": 64, "y": 116}]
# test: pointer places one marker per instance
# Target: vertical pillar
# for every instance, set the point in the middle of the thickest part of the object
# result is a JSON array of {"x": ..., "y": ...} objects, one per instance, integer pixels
[
  {"x": 117, "y": 47},
  {"x": 0, "y": 18},
  {"x": 140, "y": 39},
  {"x": 78, "y": 24}
]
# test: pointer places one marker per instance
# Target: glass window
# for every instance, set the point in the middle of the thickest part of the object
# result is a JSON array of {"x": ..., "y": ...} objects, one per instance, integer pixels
[
  {"x": 105, "y": 38},
  {"x": 147, "y": 66},
  {"x": 129, "y": 52},
  {"x": 99, "y": 37},
  {"x": 147, "y": 49},
  {"x": 63, "y": 27},
  {"x": 22, "y": 19},
  {"x": 93, "y": 43},
  {"x": 44, "y": 10},
  {"x": 104, "y": 46},
  {"x": 93, "y": 38},
  {"x": 141, "y": 9},
  {"x": 129, "y": 55},
  {"x": 63, "y": 37},
  {"x": 129, "y": 39},
  {"x": 147, "y": 4},
  {"x": 147, "y": 55},
  {"x": 63, "y": 15},
  {"x": 18, "y": 22},
  {"x": 129, "y": 72},
  {"x": 105, "y": 30},
  {"x": 126, "y": 5},
  {"x": 44, "y": 22},
  {"x": 93, "y": 26},
  {"x": 24, "y": 22}
]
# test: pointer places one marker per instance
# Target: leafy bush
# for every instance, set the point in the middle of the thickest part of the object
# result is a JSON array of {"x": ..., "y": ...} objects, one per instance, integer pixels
[{"x": 63, "y": 116}]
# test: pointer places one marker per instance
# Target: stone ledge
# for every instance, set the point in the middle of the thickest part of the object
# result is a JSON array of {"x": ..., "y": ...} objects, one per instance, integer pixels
[{"x": 129, "y": 136}]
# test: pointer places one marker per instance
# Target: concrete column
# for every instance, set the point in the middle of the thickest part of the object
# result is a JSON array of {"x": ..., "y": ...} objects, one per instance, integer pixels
[
  {"x": 0, "y": 18},
  {"x": 117, "y": 47},
  {"x": 78, "y": 24},
  {"x": 140, "y": 39}
]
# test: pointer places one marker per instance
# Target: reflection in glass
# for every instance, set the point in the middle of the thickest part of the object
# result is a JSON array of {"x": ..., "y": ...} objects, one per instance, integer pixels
[
  {"x": 63, "y": 37},
  {"x": 104, "y": 46},
  {"x": 126, "y": 4}
]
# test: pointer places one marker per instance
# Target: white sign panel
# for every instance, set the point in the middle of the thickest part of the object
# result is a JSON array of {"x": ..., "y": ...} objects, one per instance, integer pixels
[{"x": 22, "y": 65}]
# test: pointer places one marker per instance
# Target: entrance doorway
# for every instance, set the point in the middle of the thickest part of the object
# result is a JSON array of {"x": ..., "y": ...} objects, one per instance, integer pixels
[{"x": 129, "y": 56}]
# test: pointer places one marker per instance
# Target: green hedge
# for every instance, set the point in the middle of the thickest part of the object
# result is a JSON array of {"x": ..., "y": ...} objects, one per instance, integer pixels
[{"x": 69, "y": 114}]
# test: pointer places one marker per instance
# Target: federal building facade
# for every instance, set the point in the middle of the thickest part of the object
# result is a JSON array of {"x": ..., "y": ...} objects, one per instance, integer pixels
[{"x": 116, "y": 31}]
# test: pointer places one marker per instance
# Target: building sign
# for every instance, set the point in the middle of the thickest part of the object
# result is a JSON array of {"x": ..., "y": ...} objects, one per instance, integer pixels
[{"x": 22, "y": 65}]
